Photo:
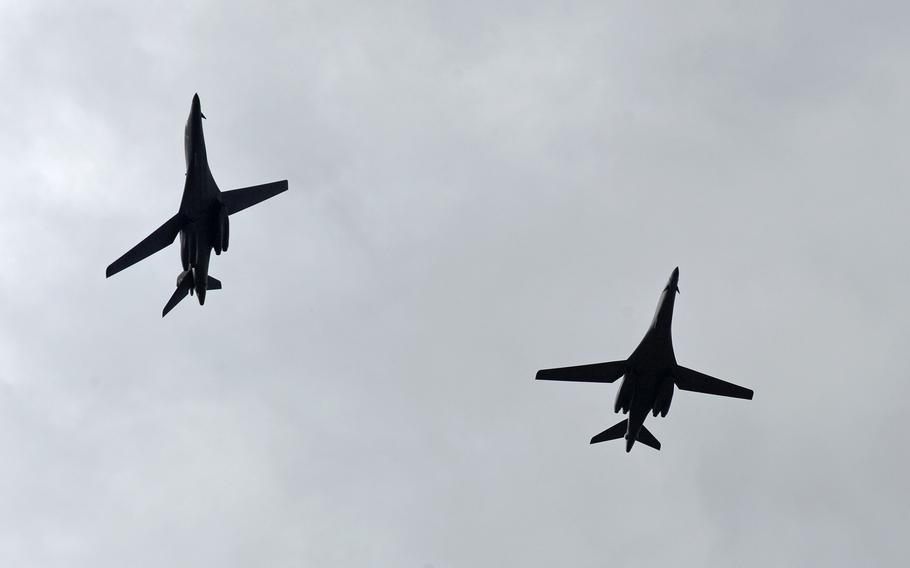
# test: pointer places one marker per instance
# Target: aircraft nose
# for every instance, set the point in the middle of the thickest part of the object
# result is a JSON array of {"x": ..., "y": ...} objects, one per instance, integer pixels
[
  {"x": 673, "y": 283},
  {"x": 196, "y": 107}
]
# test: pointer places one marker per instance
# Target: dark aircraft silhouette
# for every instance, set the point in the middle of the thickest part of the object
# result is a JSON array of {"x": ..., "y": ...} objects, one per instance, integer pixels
[
  {"x": 202, "y": 220},
  {"x": 649, "y": 375}
]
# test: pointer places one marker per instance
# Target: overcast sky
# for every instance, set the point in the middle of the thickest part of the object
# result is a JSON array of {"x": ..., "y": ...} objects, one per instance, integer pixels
[{"x": 477, "y": 191}]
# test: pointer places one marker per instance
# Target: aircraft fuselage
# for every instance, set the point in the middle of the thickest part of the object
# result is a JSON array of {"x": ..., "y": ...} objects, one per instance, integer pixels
[
  {"x": 648, "y": 379},
  {"x": 206, "y": 218}
]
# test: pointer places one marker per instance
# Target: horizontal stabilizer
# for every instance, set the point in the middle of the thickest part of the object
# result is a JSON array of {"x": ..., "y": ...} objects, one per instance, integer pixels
[
  {"x": 614, "y": 432},
  {"x": 594, "y": 373},
  {"x": 237, "y": 200},
  {"x": 618, "y": 431},
  {"x": 160, "y": 238},
  {"x": 647, "y": 438},
  {"x": 687, "y": 379},
  {"x": 179, "y": 294},
  {"x": 213, "y": 283}
]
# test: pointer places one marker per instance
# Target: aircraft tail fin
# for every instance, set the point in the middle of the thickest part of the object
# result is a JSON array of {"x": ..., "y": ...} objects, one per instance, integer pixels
[
  {"x": 614, "y": 432},
  {"x": 237, "y": 200},
  {"x": 180, "y": 293},
  {"x": 618, "y": 431},
  {"x": 647, "y": 438},
  {"x": 184, "y": 287}
]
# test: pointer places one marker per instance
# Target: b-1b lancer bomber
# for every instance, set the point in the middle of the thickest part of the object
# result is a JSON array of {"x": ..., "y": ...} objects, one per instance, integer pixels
[
  {"x": 202, "y": 221},
  {"x": 649, "y": 376}
]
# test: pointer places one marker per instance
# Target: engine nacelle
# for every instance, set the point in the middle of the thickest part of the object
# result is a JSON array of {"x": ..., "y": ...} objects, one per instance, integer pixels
[
  {"x": 222, "y": 231},
  {"x": 664, "y": 397},
  {"x": 624, "y": 396}
]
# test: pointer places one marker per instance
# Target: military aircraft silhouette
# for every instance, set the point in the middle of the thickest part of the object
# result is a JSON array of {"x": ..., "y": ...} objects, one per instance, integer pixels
[
  {"x": 202, "y": 220},
  {"x": 649, "y": 376}
]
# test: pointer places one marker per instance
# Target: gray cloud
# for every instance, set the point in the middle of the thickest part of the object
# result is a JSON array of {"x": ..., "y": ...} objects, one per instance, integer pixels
[{"x": 476, "y": 193}]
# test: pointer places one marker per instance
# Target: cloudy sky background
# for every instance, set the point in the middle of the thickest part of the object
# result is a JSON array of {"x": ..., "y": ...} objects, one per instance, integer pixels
[{"x": 476, "y": 192}]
